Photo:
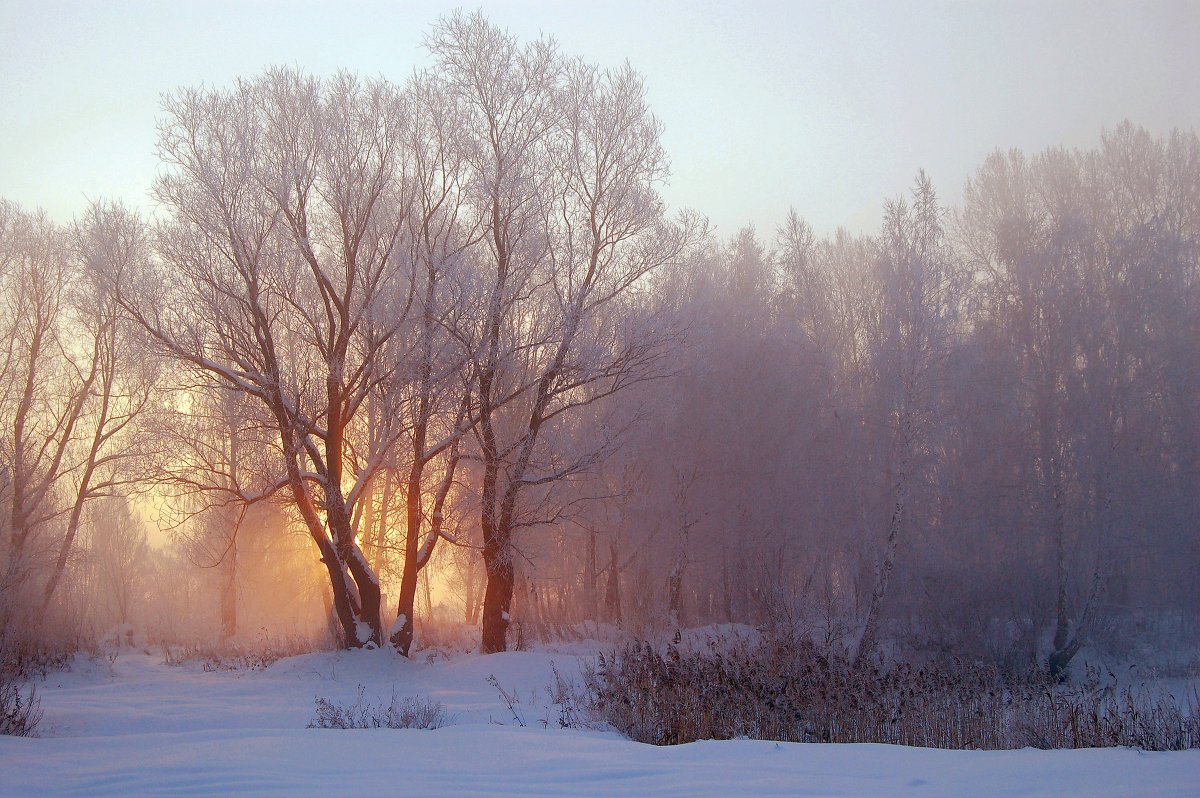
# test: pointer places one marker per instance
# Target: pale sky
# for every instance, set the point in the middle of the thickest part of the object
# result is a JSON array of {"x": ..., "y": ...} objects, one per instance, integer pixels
[{"x": 830, "y": 108}]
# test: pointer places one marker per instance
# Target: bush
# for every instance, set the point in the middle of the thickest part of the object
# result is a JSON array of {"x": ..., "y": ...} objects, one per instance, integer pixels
[
  {"x": 790, "y": 690},
  {"x": 412, "y": 712}
]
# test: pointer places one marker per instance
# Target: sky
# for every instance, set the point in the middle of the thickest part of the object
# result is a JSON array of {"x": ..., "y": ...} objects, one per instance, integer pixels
[{"x": 828, "y": 108}]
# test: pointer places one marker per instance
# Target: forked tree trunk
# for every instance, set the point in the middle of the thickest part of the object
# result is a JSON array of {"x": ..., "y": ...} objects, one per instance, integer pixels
[
  {"x": 362, "y": 580},
  {"x": 356, "y": 591},
  {"x": 343, "y": 608}
]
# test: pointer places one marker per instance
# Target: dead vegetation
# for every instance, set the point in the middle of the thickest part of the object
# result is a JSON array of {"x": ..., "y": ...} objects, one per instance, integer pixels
[
  {"x": 235, "y": 655},
  {"x": 410, "y": 712},
  {"x": 791, "y": 690}
]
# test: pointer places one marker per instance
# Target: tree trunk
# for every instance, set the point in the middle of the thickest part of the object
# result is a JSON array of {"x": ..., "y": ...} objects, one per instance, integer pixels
[
  {"x": 1065, "y": 647},
  {"x": 590, "y": 574},
  {"x": 332, "y": 623},
  {"x": 497, "y": 599},
  {"x": 476, "y": 608},
  {"x": 726, "y": 590},
  {"x": 359, "y": 573},
  {"x": 469, "y": 600},
  {"x": 870, "y": 636},
  {"x": 343, "y": 608},
  {"x": 533, "y": 615},
  {"x": 675, "y": 591},
  {"x": 382, "y": 524},
  {"x": 428, "y": 595},
  {"x": 612, "y": 593},
  {"x": 402, "y": 631},
  {"x": 365, "y": 524},
  {"x": 356, "y": 592},
  {"x": 229, "y": 596}
]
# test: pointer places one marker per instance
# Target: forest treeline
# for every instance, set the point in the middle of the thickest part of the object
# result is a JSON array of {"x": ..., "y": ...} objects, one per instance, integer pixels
[{"x": 377, "y": 337}]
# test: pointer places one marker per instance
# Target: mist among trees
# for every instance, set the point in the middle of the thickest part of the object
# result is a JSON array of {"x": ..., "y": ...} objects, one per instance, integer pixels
[{"x": 389, "y": 355}]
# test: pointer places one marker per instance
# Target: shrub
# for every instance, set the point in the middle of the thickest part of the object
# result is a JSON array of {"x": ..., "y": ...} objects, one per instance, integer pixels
[{"x": 411, "y": 712}]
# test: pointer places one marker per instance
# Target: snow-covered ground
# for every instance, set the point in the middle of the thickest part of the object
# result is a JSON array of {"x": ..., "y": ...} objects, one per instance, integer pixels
[{"x": 135, "y": 726}]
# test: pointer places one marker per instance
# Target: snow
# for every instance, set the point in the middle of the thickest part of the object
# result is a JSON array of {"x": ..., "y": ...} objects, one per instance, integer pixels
[
  {"x": 398, "y": 626},
  {"x": 136, "y": 726}
]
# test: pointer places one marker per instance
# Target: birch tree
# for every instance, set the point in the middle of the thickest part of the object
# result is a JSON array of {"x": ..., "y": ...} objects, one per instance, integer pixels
[{"x": 917, "y": 281}]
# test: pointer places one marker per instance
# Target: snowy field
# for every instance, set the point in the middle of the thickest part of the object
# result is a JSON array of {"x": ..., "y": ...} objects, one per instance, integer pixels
[{"x": 135, "y": 726}]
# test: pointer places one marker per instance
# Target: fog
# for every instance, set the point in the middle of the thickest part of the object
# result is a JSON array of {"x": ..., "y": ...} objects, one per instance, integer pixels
[{"x": 395, "y": 354}]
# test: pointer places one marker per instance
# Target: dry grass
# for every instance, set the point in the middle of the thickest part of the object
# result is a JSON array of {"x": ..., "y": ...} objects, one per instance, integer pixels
[
  {"x": 412, "y": 712},
  {"x": 20, "y": 711},
  {"x": 240, "y": 656},
  {"x": 21, "y": 663},
  {"x": 789, "y": 690}
]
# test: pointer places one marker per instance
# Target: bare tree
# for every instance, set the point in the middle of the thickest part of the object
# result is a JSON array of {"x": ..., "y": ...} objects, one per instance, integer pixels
[
  {"x": 508, "y": 97},
  {"x": 919, "y": 307},
  {"x": 43, "y": 391},
  {"x": 73, "y": 391},
  {"x": 221, "y": 458},
  {"x": 119, "y": 551},
  {"x": 280, "y": 275},
  {"x": 118, "y": 455},
  {"x": 567, "y": 160},
  {"x": 439, "y": 401}
]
